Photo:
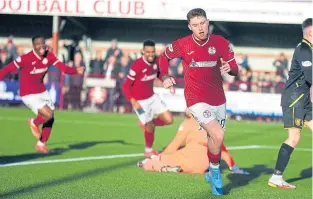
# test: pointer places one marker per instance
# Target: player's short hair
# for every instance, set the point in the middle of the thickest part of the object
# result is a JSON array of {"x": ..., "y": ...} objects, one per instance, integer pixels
[
  {"x": 196, "y": 12},
  {"x": 148, "y": 42},
  {"x": 306, "y": 23},
  {"x": 36, "y": 37}
]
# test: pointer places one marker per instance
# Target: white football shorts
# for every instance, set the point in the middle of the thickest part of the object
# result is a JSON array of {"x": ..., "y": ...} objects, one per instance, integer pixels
[
  {"x": 151, "y": 107},
  {"x": 205, "y": 113},
  {"x": 38, "y": 101}
]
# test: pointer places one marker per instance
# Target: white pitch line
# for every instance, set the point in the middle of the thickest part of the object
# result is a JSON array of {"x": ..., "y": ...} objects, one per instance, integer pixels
[
  {"x": 80, "y": 122},
  {"x": 83, "y": 122},
  {"x": 129, "y": 156},
  {"x": 72, "y": 159}
]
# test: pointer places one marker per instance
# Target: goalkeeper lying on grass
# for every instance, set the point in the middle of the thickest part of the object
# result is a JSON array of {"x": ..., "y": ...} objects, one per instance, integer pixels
[{"x": 187, "y": 152}]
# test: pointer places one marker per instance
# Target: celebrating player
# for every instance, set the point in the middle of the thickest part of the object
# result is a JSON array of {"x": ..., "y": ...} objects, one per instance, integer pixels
[
  {"x": 206, "y": 57},
  {"x": 187, "y": 152},
  {"x": 33, "y": 66},
  {"x": 138, "y": 88},
  {"x": 296, "y": 104}
]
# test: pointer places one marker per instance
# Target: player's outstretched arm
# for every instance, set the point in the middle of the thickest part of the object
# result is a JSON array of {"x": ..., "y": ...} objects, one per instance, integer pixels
[
  {"x": 179, "y": 138},
  {"x": 10, "y": 68},
  {"x": 69, "y": 70},
  {"x": 64, "y": 68}
]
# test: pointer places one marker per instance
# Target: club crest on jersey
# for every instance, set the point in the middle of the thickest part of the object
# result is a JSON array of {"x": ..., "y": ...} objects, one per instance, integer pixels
[
  {"x": 155, "y": 66},
  {"x": 211, "y": 50},
  {"x": 45, "y": 61}
]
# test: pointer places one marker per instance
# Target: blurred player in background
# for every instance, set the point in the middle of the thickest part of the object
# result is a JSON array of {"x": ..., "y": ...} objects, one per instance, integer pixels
[
  {"x": 138, "y": 88},
  {"x": 33, "y": 66},
  {"x": 187, "y": 152},
  {"x": 296, "y": 104},
  {"x": 206, "y": 57}
]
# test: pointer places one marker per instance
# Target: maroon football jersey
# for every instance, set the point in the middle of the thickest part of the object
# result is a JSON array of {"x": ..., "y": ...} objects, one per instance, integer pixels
[
  {"x": 201, "y": 64},
  {"x": 139, "y": 81},
  {"x": 32, "y": 71}
]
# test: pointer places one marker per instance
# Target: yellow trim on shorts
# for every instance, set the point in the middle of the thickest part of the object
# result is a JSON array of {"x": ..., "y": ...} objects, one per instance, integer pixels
[
  {"x": 293, "y": 103},
  {"x": 292, "y": 128}
]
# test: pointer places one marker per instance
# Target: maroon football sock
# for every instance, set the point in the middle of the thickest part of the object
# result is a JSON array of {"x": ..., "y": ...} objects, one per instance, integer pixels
[
  {"x": 46, "y": 130},
  {"x": 39, "y": 120},
  {"x": 214, "y": 158},
  {"x": 149, "y": 138}
]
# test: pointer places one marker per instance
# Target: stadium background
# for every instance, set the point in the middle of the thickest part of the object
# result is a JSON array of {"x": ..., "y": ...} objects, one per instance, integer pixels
[
  {"x": 263, "y": 41},
  {"x": 263, "y": 34}
]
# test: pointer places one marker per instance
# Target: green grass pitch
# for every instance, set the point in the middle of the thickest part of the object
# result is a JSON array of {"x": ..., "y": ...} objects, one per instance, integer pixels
[{"x": 85, "y": 135}]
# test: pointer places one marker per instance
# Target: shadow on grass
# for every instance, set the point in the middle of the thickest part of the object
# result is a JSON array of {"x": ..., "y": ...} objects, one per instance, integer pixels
[
  {"x": 57, "y": 151},
  {"x": 67, "y": 179}
]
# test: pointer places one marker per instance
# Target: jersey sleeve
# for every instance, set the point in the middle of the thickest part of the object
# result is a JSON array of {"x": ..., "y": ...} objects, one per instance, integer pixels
[
  {"x": 130, "y": 79},
  {"x": 305, "y": 60},
  {"x": 179, "y": 138},
  {"x": 172, "y": 51},
  {"x": 53, "y": 60},
  {"x": 18, "y": 63},
  {"x": 228, "y": 55}
]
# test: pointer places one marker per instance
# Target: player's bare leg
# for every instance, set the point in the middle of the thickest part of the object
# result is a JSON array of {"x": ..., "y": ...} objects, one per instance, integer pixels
[
  {"x": 149, "y": 139},
  {"x": 215, "y": 139},
  {"x": 309, "y": 125},
  {"x": 44, "y": 117},
  {"x": 163, "y": 119},
  {"x": 277, "y": 181}
]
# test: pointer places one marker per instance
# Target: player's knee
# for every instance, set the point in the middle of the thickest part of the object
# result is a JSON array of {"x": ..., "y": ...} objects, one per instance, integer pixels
[
  {"x": 150, "y": 127},
  {"x": 219, "y": 139},
  {"x": 49, "y": 116},
  {"x": 169, "y": 120}
]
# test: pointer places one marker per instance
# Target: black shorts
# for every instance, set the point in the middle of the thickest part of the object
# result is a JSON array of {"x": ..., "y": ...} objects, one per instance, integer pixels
[{"x": 294, "y": 117}]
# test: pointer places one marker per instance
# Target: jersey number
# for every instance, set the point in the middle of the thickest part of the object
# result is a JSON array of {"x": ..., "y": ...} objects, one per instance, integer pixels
[{"x": 222, "y": 122}]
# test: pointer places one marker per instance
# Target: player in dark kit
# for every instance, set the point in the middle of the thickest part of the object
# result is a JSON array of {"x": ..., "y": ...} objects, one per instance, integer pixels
[
  {"x": 205, "y": 57},
  {"x": 296, "y": 103},
  {"x": 33, "y": 66}
]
